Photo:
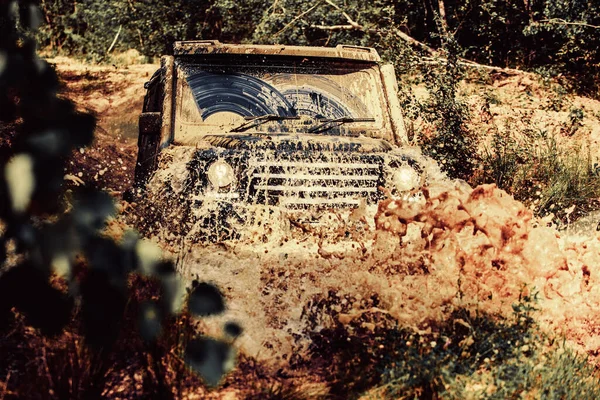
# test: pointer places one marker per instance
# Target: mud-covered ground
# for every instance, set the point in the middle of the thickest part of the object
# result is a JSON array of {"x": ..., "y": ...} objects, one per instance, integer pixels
[
  {"x": 115, "y": 96},
  {"x": 298, "y": 293}
]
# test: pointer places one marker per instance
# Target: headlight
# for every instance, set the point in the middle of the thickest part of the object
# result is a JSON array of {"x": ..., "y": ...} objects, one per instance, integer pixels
[
  {"x": 405, "y": 178},
  {"x": 220, "y": 174}
]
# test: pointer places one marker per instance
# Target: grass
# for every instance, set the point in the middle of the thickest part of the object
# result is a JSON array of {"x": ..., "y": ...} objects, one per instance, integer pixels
[
  {"x": 65, "y": 366},
  {"x": 499, "y": 359},
  {"x": 547, "y": 177}
]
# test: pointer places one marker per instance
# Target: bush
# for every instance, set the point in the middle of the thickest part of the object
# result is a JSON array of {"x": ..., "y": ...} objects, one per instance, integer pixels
[{"x": 452, "y": 144}]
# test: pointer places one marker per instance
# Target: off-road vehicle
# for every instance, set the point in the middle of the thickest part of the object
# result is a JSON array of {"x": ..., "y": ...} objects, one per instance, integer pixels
[{"x": 289, "y": 127}]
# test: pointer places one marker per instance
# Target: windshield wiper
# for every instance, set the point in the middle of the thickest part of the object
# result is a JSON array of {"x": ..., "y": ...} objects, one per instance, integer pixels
[
  {"x": 251, "y": 122},
  {"x": 335, "y": 122}
]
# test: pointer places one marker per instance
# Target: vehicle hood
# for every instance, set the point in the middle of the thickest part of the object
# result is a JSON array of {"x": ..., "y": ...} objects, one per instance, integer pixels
[{"x": 304, "y": 142}]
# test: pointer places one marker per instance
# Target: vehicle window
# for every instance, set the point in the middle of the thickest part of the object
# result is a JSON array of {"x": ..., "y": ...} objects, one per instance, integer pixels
[{"x": 215, "y": 98}]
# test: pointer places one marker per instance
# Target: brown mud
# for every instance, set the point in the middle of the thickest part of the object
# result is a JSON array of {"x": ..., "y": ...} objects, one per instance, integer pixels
[
  {"x": 297, "y": 291},
  {"x": 114, "y": 94}
]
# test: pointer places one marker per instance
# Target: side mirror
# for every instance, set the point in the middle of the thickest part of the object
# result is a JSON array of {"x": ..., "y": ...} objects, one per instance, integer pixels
[{"x": 149, "y": 123}]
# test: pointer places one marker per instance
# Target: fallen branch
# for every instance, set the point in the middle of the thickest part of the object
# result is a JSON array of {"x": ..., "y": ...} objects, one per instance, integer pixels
[
  {"x": 396, "y": 32},
  {"x": 352, "y": 22},
  {"x": 472, "y": 64},
  {"x": 334, "y": 27},
  {"x": 559, "y": 21},
  {"x": 439, "y": 59},
  {"x": 353, "y": 25},
  {"x": 415, "y": 42}
]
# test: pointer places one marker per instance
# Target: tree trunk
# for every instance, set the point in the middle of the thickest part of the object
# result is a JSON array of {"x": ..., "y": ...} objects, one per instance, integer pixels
[{"x": 443, "y": 21}]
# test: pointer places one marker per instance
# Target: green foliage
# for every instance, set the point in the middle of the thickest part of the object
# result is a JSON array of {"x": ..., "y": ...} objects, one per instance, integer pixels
[
  {"x": 237, "y": 20},
  {"x": 559, "y": 373},
  {"x": 464, "y": 345},
  {"x": 298, "y": 21},
  {"x": 179, "y": 20},
  {"x": 557, "y": 98},
  {"x": 89, "y": 27},
  {"x": 501, "y": 160},
  {"x": 558, "y": 38},
  {"x": 490, "y": 31},
  {"x": 576, "y": 116},
  {"x": 63, "y": 27},
  {"x": 568, "y": 40},
  {"x": 86, "y": 28},
  {"x": 469, "y": 355},
  {"x": 452, "y": 144}
]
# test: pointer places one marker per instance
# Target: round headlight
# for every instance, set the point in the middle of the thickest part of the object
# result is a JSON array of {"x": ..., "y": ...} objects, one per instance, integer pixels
[
  {"x": 405, "y": 178},
  {"x": 220, "y": 174}
]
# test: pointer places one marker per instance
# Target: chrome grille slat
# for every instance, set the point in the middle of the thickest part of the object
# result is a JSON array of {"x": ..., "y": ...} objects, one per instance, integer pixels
[
  {"x": 320, "y": 177},
  {"x": 317, "y": 201},
  {"x": 322, "y": 183},
  {"x": 289, "y": 188},
  {"x": 304, "y": 164}
]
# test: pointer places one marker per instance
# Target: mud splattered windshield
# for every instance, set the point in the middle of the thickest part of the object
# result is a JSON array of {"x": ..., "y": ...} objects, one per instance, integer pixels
[{"x": 218, "y": 99}]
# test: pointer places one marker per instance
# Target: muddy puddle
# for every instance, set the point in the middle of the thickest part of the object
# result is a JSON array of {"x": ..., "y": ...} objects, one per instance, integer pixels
[{"x": 421, "y": 256}]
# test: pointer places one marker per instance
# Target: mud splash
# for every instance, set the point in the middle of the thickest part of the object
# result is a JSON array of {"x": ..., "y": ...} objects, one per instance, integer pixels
[{"x": 422, "y": 256}]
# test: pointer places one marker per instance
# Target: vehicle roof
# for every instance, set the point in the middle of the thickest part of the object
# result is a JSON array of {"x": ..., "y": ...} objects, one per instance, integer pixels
[{"x": 204, "y": 47}]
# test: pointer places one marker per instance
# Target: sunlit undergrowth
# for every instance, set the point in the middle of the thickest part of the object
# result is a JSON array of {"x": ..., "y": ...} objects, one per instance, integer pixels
[
  {"x": 550, "y": 168},
  {"x": 471, "y": 355},
  {"x": 544, "y": 175},
  {"x": 488, "y": 357}
]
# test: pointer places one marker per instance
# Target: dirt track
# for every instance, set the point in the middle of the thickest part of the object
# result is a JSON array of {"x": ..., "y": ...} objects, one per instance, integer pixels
[{"x": 115, "y": 95}]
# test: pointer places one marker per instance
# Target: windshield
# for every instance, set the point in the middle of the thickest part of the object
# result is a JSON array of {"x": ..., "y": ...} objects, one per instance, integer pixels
[{"x": 219, "y": 99}]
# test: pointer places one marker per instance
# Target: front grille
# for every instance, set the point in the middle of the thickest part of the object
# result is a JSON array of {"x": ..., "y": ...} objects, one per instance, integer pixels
[{"x": 331, "y": 182}]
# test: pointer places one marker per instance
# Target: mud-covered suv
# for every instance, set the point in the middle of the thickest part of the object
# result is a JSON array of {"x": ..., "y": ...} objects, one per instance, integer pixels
[{"x": 297, "y": 128}]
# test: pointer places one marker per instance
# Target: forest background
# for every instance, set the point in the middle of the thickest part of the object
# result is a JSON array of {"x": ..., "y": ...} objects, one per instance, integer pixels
[{"x": 557, "y": 38}]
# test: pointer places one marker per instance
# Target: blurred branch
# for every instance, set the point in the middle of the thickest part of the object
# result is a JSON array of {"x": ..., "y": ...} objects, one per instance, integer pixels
[
  {"x": 4, "y": 386},
  {"x": 274, "y": 6},
  {"x": 131, "y": 6},
  {"x": 140, "y": 37},
  {"x": 45, "y": 11},
  {"x": 559, "y": 21}
]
